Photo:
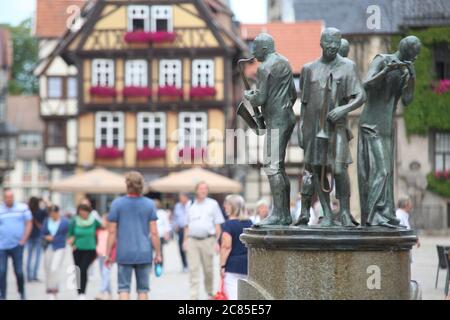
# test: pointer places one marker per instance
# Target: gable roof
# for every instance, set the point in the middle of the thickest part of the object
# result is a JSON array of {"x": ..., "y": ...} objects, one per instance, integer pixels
[
  {"x": 52, "y": 16},
  {"x": 299, "y": 42},
  {"x": 351, "y": 16}
]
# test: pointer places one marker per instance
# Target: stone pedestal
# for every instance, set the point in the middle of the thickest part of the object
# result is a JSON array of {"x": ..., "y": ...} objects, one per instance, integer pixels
[{"x": 317, "y": 263}]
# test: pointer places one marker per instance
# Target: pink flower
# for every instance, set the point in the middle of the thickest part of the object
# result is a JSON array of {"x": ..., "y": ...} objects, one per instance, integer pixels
[
  {"x": 195, "y": 153},
  {"x": 103, "y": 91},
  {"x": 170, "y": 91},
  {"x": 163, "y": 36},
  {"x": 138, "y": 37},
  {"x": 201, "y": 92},
  {"x": 108, "y": 153},
  {"x": 151, "y": 153},
  {"x": 137, "y": 92},
  {"x": 443, "y": 87}
]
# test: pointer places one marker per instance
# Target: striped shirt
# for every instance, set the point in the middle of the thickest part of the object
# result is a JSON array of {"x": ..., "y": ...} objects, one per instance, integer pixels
[{"x": 12, "y": 224}]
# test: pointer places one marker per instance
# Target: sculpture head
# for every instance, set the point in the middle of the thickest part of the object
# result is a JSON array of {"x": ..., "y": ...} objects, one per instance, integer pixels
[
  {"x": 345, "y": 48},
  {"x": 330, "y": 42},
  {"x": 409, "y": 48},
  {"x": 263, "y": 46}
]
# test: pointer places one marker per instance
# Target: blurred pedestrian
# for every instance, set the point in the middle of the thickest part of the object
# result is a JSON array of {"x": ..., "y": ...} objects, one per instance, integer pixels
[
  {"x": 262, "y": 211},
  {"x": 82, "y": 238},
  {"x": 88, "y": 202},
  {"x": 179, "y": 223},
  {"x": 200, "y": 239},
  {"x": 34, "y": 241},
  {"x": 105, "y": 268},
  {"x": 15, "y": 228},
  {"x": 53, "y": 238},
  {"x": 132, "y": 221},
  {"x": 233, "y": 253},
  {"x": 404, "y": 209},
  {"x": 163, "y": 225}
]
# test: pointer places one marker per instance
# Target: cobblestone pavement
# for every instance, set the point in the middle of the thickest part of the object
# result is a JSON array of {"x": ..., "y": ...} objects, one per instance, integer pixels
[{"x": 174, "y": 284}]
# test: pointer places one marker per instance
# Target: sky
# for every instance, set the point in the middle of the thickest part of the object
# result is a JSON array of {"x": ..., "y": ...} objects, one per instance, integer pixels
[{"x": 248, "y": 11}]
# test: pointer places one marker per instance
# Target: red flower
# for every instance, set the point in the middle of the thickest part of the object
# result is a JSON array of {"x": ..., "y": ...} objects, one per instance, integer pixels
[
  {"x": 151, "y": 153},
  {"x": 137, "y": 92},
  {"x": 103, "y": 91},
  {"x": 138, "y": 37},
  {"x": 447, "y": 174},
  {"x": 202, "y": 92},
  {"x": 108, "y": 153},
  {"x": 146, "y": 37},
  {"x": 170, "y": 91},
  {"x": 163, "y": 36}
]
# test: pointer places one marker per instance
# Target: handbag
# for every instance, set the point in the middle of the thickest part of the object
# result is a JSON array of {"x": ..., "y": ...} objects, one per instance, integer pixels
[{"x": 221, "y": 295}]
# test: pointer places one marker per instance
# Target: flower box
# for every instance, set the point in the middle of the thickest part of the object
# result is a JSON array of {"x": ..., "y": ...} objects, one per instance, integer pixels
[
  {"x": 170, "y": 91},
  {"x": 99, "y": 91},
  {"x": 137, "y": 92},
  {"x": 147, "y": 37},
  {"x": 151, "y": 153},
  {"x": 442, "y": 175},
  {"x": 138, "y": 37},
  {"x": 443, "y": 87},
  {"x": 163, "y": 36},
  {"x": 192, "y": 153},
  {"x": 201, "y": 92},
  {"x": 108, "y": 153}
]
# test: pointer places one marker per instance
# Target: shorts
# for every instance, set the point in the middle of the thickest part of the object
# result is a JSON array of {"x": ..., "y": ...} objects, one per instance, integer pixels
[{"x": 142, "y": 272}]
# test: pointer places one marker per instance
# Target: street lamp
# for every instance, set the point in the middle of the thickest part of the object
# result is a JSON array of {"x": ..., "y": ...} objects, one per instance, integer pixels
[{"x": 8, "y": 138}]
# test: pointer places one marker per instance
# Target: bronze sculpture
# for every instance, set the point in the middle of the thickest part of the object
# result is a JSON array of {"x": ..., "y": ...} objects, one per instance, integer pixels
[
  {"x": 330, "y": 89},
  {"x": 345, "y": 48},
  {"x": 391, "y": 77},
  {"x": 275, "y": 93}
]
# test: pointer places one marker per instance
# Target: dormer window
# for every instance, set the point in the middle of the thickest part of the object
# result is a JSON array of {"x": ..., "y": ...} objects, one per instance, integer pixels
[
  {"x": 161, "y": 19},
  {"x": 138, "y": 18},
  {"x": 103, "y": 73},
  {"x": 203, "y": 73}
]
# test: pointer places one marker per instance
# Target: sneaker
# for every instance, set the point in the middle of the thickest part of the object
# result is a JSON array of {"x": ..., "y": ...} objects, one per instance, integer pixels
[
  {"x": 82, "y": 297},
  {"x": 185, "y": 270},
  {"x": 52, "y": 296}
]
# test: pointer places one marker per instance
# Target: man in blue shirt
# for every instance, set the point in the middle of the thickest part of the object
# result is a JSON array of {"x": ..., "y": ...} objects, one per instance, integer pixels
[
  {"x": 132, "y": 219},
  {"x": 15, "y": 228}
]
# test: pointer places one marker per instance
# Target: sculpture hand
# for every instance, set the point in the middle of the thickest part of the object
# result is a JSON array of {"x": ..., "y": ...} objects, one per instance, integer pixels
[{"x": 336, "y": 114}]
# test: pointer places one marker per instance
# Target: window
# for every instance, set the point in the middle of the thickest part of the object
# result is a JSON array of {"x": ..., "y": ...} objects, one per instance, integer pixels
[
  {"x": 109, "y": 130},
  {"x": 203, "y": 73},
  {"x": 138, "y": 18},
  {"x": 151, "y": 130},
  {"x": 442, "y": 58},
  {"x": 55, "y": 87},
  {"x": 72, "y": 87},
  {"x": 27, "y": 166},
  {"x": 442, "y": 152},
  {"x": 136, "y": 73},
  {"x": 103, "y": 72},
  {"x": 30, "y": 140},
  {"x": 193, "y": 130},
  {"x": 42, "y": 168},
  {"x": 162, "y": 18},
  {"x": 56, "y": 133},
  {"x": 170, "y": 73},
  {"x": 2, "y": 107}
]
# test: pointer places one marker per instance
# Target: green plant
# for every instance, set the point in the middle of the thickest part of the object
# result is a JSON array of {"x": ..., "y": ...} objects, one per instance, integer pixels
[
  {"x": 438, "y": 185},
  {"x": 428, "y": 110}
]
